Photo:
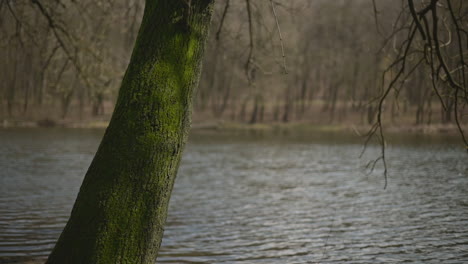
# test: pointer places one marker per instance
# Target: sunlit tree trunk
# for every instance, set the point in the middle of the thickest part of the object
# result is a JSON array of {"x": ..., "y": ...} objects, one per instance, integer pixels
[{"x": 121, "y": 208}]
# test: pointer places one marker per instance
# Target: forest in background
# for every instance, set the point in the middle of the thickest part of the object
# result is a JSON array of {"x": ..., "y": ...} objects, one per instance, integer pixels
[{"x": 318, "y": 62}]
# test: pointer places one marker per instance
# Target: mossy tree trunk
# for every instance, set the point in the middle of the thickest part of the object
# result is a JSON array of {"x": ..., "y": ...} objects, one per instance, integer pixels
[{"x": 121, "y": 208}]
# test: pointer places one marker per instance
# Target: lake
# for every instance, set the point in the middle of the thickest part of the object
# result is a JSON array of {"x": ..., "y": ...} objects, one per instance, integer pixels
[{"x": 258, "y": 198}]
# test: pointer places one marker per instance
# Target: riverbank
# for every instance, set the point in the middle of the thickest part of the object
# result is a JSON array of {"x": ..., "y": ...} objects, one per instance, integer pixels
[
  {"x": 271, "y": 127},
  {"x": 301, "y": 127}
]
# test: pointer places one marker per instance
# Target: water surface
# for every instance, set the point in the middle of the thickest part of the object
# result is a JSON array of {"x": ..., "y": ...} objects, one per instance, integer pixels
[{"x": 257, "y": 199}]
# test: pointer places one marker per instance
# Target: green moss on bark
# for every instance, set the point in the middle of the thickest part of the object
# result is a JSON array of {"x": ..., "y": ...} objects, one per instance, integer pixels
[{"x": 121, "y": 208}]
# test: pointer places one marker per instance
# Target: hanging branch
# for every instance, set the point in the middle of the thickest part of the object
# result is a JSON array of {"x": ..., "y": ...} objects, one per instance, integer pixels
[
  {"x": 55, "y": 28},
  {"x": 425, "y": 23}
]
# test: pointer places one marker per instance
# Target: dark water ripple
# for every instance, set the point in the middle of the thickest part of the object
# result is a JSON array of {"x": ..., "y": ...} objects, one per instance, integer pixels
[{"x": 256, "y": 201}]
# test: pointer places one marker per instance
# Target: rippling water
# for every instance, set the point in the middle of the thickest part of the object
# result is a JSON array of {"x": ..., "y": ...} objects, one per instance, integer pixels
[{"x": 257, "y": 199}]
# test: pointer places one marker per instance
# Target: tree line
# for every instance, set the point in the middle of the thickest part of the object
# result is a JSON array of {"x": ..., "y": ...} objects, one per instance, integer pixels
[{"x": 332, "y": 64}]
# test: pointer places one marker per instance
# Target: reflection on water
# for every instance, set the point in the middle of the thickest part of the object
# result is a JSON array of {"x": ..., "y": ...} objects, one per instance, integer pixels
[{"x": 257, "y": 199}]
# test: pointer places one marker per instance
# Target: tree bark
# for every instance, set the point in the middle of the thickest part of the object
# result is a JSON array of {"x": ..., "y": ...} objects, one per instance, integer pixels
[{"x": 121, "y": 208}]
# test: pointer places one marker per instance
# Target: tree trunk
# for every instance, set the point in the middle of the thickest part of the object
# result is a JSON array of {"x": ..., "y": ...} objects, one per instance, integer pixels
[
  {"x": 254, "y": 115},
  {"x": 121, "y": 208}
]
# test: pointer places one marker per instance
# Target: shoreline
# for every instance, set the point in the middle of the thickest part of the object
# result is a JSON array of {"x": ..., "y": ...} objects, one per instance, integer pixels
[{"x": 219, "y": 126}]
